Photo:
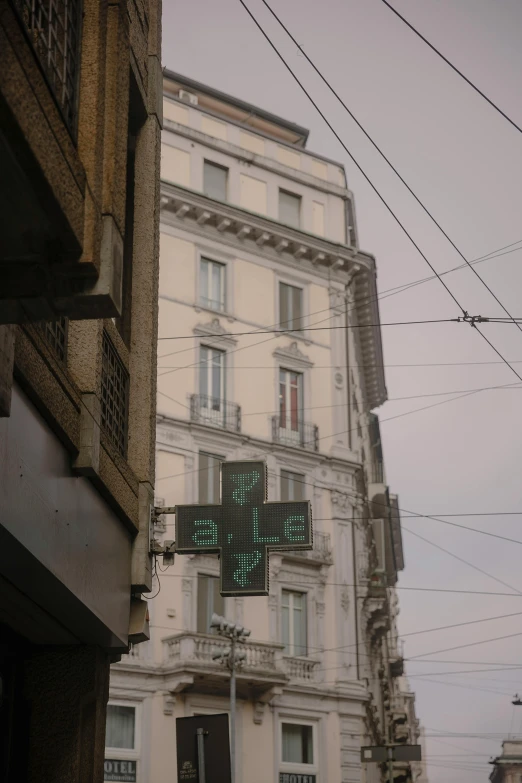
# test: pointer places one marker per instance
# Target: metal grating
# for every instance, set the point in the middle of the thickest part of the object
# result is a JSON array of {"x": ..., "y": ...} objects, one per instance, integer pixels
[
  {"x": 53, "y": 29},
  {"x": 56, "y": 332},
  {"x": 114, "y": 396}
]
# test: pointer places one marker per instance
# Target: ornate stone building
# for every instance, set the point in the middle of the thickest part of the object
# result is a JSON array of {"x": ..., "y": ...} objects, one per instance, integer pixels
[
  {"x": 80, "y": 122},
  {"x": 258, "y": 236}
]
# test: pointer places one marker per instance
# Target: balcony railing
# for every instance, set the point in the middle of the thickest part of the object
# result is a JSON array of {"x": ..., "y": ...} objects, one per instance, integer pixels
[
  {"x": 53, "y": 28},
  {"x": 321, "y": 552},
  {"x": 264, "y": 663},
  {"x": 216, "y": 412},
  {"x": 300, "y": 668},
  {"x": 304, "y": 435},
  {"x": 198, "y": 649}
]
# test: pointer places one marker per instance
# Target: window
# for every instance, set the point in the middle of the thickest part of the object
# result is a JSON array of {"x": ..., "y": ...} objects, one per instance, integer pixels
[
  {"x": 212, "y": 284},
  {"x": 292, "y": 486},
  {"x": 289, "y": 208},
  {"x": 212, "y": 384},
  {"x": 297, "y": 745},
  {"x": 290, "y": 306},
  {"x": 215, "y": 181},
  {"x": 209, "y": 601},
  {"x": 120, "y": 727},
  {"x": 209, "y": 474},
  {"x": 293, "y": 622},
  {"x": 136, "y": 119},
  {"x": 290, "y": 400},
  {"x": 114, "y": 396},
  {"x": 54, "y": 31}
]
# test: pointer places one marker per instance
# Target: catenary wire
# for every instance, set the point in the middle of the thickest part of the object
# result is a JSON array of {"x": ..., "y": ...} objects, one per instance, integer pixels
[
  {"x": 320, "y": 328},
  {"x": 469, "y": 644},
  {"x": 368, "y": 299},
  {"x": 461, "y": 559},
  {"x": 374, "y": 188},
  {"x": 453, "y": 67},
  {"x": 385, "y": 158},
  {"x": 383, "y": 295}
]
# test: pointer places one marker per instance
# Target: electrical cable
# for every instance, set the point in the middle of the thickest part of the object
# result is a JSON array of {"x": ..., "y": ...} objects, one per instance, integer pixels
[
  {"x": 453, "y": 67},
  {"x": 383, "y": 295},
  {"x": 390, "y": 164},
  {"x": 374, "y": 188},
  {"x": 322, "y": 328},
  {"x": 462, "y": 560},
  {"x": 402, "y": 587},
  {"x": 469, "y": 644}
]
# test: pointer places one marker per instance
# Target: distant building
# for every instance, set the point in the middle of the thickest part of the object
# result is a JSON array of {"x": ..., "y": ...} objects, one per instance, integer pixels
[
  {"x": 80, "y": 121},
  {"x": 507, "y": 768},
  {"x": 259, "y": 234}
]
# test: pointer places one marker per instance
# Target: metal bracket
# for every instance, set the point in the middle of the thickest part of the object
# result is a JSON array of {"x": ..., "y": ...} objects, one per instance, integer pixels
[{"x": 168, "y": 548}]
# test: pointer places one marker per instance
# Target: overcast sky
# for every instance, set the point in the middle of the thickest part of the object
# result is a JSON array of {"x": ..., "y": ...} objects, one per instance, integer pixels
[{"x": 465, "y": 162}]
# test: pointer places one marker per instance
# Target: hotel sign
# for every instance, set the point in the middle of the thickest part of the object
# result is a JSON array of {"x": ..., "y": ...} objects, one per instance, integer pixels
[{"x": 119, "y": 770}]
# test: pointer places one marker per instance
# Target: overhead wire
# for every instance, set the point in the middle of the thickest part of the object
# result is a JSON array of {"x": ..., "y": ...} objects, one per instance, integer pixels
[
  {"x": 282, "y": 332},
  {"x": 385, "y": 158},
  {"x": 452, "y": 66},
  {"x": 461, "y": 560},
  {"x": 374, "y": 188}
]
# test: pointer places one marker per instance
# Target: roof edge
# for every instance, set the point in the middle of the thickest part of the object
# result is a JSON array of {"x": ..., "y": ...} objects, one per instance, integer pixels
[{"x": 238, "y": 103}]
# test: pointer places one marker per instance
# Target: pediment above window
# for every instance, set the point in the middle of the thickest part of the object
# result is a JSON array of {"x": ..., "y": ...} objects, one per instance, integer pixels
[
  {"x": 292, "y": 357},
  {"x": 214, "y": 328}
]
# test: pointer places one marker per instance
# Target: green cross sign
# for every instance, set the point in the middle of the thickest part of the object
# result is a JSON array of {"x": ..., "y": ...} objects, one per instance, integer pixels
[{"x": 244, "y": 528}]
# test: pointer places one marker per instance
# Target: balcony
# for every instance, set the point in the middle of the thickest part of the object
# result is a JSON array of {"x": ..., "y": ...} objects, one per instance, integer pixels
[
  {"x": 320, "y": 554},
  {"x": 300, "y": 669},
  {"x": 215, "y": 412},
  {"x": 302, "y": 435},
  {"x": 188, "y": 657}
]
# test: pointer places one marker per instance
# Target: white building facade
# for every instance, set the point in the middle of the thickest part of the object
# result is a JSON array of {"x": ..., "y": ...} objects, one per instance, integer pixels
[{"x": 258, "y": 236}]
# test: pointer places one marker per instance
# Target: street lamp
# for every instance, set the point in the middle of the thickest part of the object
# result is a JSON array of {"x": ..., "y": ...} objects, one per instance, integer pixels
[{"x": 232, "y": 659}]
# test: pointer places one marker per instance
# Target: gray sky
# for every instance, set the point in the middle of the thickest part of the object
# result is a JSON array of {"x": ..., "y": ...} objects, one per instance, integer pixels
[{"x": 465, "y": 162}]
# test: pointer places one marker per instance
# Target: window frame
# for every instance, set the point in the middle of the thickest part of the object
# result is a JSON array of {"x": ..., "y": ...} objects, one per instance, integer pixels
[
  {"x": 220, "y": 459},
  {"x": 128, "y": 754},
  {"x": 293, "y": 767},
  {"x": 291, "y": 653},
  {"x": 287, "y": 400},
  {"x": 207, "y": 303},
  {"x": 299, "y": 199},
  {"x": 208, "y": 371},
  {"x": 215, "y": 165},
  {"x": 301, "y": 318},
  {"x": 206, "y": 575},
  {"x": 288, "y": 473}
]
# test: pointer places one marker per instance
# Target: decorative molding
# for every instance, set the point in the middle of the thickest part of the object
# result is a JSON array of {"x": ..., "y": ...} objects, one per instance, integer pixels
[
  {"x": 259, "y": 712},
  {"x": 345, "y": 599},
  {"x": 169, "y": 702},
  {"x": 342, "y": 504},
  {"x": 214, "y": 329},
  {"x": 292, "y": 354}
]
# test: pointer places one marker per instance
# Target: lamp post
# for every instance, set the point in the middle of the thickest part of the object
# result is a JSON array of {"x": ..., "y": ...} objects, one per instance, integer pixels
[{"x": 233, "y": 659}]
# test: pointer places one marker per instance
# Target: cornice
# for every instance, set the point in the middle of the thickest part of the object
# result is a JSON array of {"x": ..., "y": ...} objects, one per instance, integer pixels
[{"x": 194, "y": 212}]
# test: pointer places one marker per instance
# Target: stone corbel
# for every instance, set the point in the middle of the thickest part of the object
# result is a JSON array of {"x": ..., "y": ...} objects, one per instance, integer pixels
[{"x": 169, "y": 702}]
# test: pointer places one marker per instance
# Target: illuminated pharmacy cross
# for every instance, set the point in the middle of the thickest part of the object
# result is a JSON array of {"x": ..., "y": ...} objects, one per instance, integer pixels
[{"x": 243, "y": 528}]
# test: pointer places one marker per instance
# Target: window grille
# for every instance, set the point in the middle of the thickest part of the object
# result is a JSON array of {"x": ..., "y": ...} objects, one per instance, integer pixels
[
  {"x": 55, "y": 333},
  {"x": 54, "y": 30},
  {"x": 114, "y": 396}
]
